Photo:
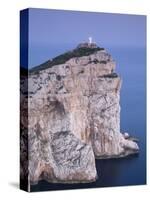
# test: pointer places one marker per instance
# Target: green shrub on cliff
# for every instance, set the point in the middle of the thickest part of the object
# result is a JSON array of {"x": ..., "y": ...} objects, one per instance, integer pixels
[{"x": 78, "y": 52}]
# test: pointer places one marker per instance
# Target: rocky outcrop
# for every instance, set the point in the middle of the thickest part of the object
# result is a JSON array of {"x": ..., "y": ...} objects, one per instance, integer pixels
[{"x": 73, "y": 116}]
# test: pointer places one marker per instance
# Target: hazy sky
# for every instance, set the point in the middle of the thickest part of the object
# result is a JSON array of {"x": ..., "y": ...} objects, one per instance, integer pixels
[{"x": 52, "y": 32}]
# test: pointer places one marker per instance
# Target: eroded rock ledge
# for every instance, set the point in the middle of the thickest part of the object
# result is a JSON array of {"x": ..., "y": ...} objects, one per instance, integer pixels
[{"x": 73, "y": 116}]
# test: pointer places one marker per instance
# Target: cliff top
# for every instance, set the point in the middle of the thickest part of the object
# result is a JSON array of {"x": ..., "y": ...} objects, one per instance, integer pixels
[{"x": 83, "y": 49}]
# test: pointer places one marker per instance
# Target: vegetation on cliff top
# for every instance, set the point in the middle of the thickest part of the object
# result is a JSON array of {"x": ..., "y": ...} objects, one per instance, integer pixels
[{"x": 78, "y": 52}]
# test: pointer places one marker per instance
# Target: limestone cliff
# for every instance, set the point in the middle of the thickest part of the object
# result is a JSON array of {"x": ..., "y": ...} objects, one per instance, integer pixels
[{"x": 73, "y": 116}]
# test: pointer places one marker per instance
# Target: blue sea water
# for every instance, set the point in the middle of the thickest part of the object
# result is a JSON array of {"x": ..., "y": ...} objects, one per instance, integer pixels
[{"x": 131, "y": 66}]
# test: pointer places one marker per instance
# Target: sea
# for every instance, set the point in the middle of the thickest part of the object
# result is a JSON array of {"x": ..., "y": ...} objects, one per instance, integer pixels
[{"x": 131, "y": 170}]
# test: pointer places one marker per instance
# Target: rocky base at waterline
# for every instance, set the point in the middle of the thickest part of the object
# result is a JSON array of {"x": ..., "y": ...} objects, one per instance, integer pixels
[
  {"x": 70, "y": 114},
  {"x": 130, "y": 147}
]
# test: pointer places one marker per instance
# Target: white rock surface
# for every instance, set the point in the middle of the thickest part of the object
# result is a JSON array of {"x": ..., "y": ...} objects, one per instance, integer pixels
[
  {"x": 126, "y": 135},
  {"x": 73, "y": 117}
]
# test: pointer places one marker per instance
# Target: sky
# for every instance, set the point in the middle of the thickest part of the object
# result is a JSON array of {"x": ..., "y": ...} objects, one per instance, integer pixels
[{"x": 52, "y": 32}]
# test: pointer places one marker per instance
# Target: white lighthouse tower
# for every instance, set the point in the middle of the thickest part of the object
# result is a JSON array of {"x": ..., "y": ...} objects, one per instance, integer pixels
[
  {"x": 91, "y": 44},
  {"x": 90, "y": 40}
]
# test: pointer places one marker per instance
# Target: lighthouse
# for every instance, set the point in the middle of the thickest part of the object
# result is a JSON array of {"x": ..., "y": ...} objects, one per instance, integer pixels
[
  {"x": 90, "y": 40},
  {"x": 89, "y": 44}
]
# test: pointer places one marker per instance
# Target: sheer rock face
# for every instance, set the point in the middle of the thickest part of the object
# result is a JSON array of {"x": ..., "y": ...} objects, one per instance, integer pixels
[{"x": 74, "y": 116}]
